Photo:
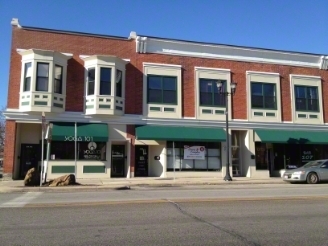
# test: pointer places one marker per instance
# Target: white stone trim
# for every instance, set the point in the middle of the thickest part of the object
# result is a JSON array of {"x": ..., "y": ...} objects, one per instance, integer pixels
[
  {"x": 213, "y": 69},
  {"x": 19, "y": 51},
  {"x": 262, "y": 73},
  {"x": 15, "y": 22},
  {"x": 162, "y": 65},
  {"x": 128, "y": 119},
  {"x": 229, "y": 52}
]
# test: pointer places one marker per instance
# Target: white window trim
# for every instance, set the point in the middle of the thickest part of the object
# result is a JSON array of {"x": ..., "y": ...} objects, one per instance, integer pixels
[
  {"x": 105, "y": 101},
  {"x": 175, "y": 111},
  {"x": 211, "y": 73},
  {"x": 49, "y": 98},
  {"x": 306, "y": 80},
  {"x": 263, "y": 77}
]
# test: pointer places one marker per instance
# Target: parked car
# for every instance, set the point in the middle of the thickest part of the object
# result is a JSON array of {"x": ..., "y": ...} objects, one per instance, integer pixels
[{"x": 312, "y": 172}]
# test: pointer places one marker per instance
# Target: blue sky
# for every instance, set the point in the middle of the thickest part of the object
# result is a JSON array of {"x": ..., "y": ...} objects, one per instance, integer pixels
[{"x": 295, "y": 25}]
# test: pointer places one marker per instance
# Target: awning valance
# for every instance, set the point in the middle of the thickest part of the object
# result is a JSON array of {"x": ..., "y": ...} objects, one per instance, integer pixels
[
  {"x": 291, "y": 136},
  {"x": 180, "y": 133},
  {"x": 86, "y": 132}
]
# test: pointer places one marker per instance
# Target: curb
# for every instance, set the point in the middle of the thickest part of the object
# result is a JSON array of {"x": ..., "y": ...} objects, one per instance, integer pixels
[{"x": 81, "y": 188}]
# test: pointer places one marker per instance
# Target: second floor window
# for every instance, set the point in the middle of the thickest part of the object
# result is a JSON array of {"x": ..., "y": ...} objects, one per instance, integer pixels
[
  {"x": 263, "y": 95},
  {"x": 91, "y": 81},
  {"x": 58, "y": 81},
  {"x": 209, "y": 94},
  {"x": 42, "y": 78},
  {"x": 27, "y": 76},
  {"x": 162, "y": 89},
  {"x": 306, "y": 98},
  {"x": 118, "y": 83},
  {"x": 105, "y": 81}
]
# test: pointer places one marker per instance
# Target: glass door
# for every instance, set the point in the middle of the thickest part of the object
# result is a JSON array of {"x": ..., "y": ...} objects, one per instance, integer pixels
[
  {"x": 235, "y": 154},
  {"x": 29, "y": 158},
  {"x": 118, "y": 161}
]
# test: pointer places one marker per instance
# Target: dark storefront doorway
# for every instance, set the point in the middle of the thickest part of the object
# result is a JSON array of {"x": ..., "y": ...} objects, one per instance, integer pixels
[
  {"x": 118, "y": 161},
  {"x": 29, "y": 158},
  {"x": 274, "y": 157},
  {"x": 141, "y": 161}
]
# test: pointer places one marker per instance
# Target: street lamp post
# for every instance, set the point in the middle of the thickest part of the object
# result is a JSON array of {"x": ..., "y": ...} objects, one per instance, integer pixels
[{"x": 226, "y": 95}]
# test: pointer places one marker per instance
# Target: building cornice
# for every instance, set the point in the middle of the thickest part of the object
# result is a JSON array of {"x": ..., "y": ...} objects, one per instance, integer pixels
[{"x": 229, "y": 52}]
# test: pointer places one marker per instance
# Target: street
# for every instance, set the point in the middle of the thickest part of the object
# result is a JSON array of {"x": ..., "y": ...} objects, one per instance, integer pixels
[{"x": 229, "y": 215}]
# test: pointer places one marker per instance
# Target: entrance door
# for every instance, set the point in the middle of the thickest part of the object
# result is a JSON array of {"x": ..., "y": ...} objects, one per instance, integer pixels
[
  {"x": 29, "y": 158},
  {"x": 141, "y": 161},
  {"x": 118, "y": 161}
]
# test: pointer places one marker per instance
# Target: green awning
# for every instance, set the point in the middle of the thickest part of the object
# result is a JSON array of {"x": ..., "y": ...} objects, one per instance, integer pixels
[
  {"x": 86, "y": 132},
  {"x": 292, "y": 136},
  {"x": 180, "y": 133}
]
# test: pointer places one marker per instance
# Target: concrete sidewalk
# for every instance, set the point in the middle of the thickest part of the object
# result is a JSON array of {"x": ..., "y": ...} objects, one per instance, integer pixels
[{"x": 89, "y": 184}]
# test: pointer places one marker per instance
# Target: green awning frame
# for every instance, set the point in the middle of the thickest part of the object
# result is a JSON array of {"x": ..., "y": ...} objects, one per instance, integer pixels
[
  {"x": 180, "y": 133},
  {"x": 291, "y": 136},
  {"x": 86, "y": 132}
]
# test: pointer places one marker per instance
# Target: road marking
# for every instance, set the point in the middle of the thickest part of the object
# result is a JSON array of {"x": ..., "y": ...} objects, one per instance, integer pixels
[
  {"x": 21, "y": 201},
  {"x": 180, "y": 200}
]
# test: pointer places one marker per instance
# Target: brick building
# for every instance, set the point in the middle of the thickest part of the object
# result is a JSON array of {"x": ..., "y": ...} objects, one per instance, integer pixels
[{"x": 141, "y": 106}]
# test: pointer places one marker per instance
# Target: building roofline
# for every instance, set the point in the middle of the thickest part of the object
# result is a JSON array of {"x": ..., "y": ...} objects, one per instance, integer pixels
[
  {"x": 133, "y": 35},
  {"x": 230, "y": 45},
  {"x": 29, "y": 28}
]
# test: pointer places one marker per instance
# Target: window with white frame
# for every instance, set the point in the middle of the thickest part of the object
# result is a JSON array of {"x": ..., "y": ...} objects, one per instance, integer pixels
[
  {"x": 210, "y": 94},
  {"x": 27, "y": 76},
  {"x": 91, "y": 81},
  {"x": 162, "y": 90},
  {"x": 306, "y": 98},
  {"x": 43, "y": 80},
  {"x": 210, "y": 85},
  {"x": 105, "y": 79},
  {"x": 306, "y": 93},
  {"x": 263, "y": 95},
  {"x": 58, "y": 79}
]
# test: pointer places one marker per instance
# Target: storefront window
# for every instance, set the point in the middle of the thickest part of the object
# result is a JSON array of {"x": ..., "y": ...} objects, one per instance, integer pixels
[
  {"x": 286, "y": 155},
  {"x": 62, "y": 150},
  {"x": 92, "y": 151},
  {"x": 210, "y": 162}
]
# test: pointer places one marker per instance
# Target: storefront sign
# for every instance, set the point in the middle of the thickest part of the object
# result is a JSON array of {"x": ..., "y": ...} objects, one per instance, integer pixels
[
  {"x": 194, "y": 152},
  {"x": 92, "y": 152},
  {"x": 307, "y": 156},
  {"x": 79, "y": 139}
]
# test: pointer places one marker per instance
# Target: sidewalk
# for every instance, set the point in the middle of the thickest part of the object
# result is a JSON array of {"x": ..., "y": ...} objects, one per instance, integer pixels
[{"x": 92, "y": 184}]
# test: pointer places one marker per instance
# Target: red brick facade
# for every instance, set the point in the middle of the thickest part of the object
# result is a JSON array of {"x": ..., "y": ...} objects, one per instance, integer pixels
[
  {"x": 79, "y": 44},
  {"x": 9, "y": 154},
  {"x": 88, "y": 45}
]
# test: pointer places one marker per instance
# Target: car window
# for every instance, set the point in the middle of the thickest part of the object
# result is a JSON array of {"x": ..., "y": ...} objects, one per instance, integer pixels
[
  {"x": 325, "y": 165},
  {"x": 313, "y": 164}
]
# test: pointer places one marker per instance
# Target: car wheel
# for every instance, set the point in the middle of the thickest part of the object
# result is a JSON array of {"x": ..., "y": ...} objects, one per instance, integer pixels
[{"x": 312, "y": 178}]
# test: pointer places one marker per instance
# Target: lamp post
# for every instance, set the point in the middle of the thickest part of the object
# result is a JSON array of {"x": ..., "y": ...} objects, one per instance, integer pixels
[{"x": 226, "y": 94}]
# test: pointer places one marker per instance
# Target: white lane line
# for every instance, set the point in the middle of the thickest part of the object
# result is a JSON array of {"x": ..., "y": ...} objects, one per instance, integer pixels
[{"x": 21, "y": 201}]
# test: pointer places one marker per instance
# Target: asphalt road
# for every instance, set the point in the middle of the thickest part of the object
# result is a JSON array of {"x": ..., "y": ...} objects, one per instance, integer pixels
[
  {"x": 201, "y": 193},
  {"x": 276, "y": 222}
]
